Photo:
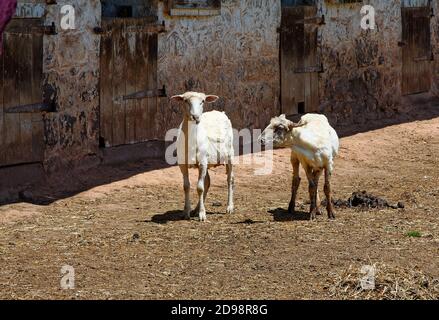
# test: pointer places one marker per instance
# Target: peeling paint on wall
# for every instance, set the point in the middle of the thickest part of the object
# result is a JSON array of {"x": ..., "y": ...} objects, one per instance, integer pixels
[{"x": 71, "y": 65}]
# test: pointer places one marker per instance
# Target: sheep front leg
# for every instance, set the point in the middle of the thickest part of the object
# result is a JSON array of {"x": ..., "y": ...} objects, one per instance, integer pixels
[
  {"x": 206, "y": 190},
  {"x": 200, "y": 189},
  {"x": 187, "y": 189},
  {"x": 231, "y": 186},
  {"x": 295, "y": 185},
  {"x": 328, "y": 193}
]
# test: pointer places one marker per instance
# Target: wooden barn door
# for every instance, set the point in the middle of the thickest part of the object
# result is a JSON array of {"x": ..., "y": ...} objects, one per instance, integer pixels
[
  {"x": 128, "y": 85},
  {"x": 416, "y": 52},
  {"x": 21, "y": 97},
  {"x": 299, "y": 59}
]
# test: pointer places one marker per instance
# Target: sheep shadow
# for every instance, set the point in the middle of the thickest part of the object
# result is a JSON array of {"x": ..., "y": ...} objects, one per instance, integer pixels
[
  {"x": 282, "y": 215},
  {"x": 175, "y": 215}
]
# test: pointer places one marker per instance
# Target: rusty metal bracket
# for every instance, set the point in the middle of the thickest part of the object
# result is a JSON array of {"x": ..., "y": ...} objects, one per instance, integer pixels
[
  {"x": 47, "y": 30},
  {"x": 320, "y": 21},
  {"x": 149, "y": 28},
  {"x": 402, "y": 43},
  {"x": 98, "y": 30},
  {"x": 423, "y": 58},
  {"x": 310, "y": 69},
  {"x": 146, "y": 94},
  {"x": 31, "y": 108}
]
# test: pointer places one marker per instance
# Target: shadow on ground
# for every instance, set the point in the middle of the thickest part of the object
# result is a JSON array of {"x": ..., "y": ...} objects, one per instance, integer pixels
[
  {"x": 282, "y": 215},
  {"x": 44, "y": 190},
  {"x": 176, "y": 215}
]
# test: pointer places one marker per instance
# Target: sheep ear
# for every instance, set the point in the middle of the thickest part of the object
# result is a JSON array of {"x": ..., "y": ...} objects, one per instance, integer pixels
[
  {"x": 211, "y": 99},
  {"x": 178, "y": 98}
]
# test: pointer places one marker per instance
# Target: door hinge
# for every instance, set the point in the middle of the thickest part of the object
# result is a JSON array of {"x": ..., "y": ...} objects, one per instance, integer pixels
[
  {"x": 32, "y": 108},
  {"x": 310, "y": 69},
  {"x": 320, "y": 21},
  {"x": 160, "y": 93},
  {"x": 402, "y": 44}
]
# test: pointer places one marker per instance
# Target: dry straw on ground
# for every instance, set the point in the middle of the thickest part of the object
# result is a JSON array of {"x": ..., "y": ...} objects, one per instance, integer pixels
[{"x": 391, "y": 283}]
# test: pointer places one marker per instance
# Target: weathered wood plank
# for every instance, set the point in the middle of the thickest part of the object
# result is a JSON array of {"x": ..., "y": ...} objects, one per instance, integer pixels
[
  {"x": 416, "y": 36},
  {"x": 152, "y": 84},
  {"x": 106, "y": 88},
  {"x": 299, "y": 60},
  {"x": 142, "y": 83},
  {"x": 130, "y": 80},
  {"x": 2, "y": 142},
  {"x": 11, "y": 98},
  {"x": 25, "y": 66},
  {"x": 119, "y": 83},
  {"x": 133, "y": 72},
  {"x": 290, "y": 82},
  {"x": 37, "y": 95},
  {"x": 21, "y": 134}
]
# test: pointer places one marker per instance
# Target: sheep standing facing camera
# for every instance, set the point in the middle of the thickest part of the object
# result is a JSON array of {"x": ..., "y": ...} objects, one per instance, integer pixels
[
  {"x": 314, "y": 144},
  {"x": 204, "y": 140}
]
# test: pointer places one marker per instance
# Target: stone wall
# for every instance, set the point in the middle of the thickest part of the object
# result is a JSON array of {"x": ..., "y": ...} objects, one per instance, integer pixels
[
  {"x": 362, "y": 78},
  {"x": 71, "y": 67},
  {"x": 234, "y": 55}
]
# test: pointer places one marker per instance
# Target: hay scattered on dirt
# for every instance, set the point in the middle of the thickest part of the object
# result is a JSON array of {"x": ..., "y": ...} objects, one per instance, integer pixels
[
  {"x": 365, "y": 200},
  {"x": 391, "y": 283}
]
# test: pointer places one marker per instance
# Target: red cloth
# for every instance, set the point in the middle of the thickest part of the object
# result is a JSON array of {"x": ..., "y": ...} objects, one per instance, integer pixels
[{"x": 7, "y": 10}]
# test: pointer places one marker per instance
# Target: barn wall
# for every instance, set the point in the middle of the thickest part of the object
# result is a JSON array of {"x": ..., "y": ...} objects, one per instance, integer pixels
[
  {"x": 234, "y": 55},
  {"x": 362, "y": 79},
  {"x": 435, "y": 42},
  {"x": 71, "y": 66}
]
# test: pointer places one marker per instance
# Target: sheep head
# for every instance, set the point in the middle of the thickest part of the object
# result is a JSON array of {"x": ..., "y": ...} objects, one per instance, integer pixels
[
  {"x": 278, "y": 132},
  {"x": 194, "y": 104}
]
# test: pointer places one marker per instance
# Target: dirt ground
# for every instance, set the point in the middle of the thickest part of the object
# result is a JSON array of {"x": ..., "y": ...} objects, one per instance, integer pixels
[{"x": 125, "y": 238}]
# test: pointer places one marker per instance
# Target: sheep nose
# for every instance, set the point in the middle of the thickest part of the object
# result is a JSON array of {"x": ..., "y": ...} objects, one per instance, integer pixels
[{"x": 196, "y": 119}]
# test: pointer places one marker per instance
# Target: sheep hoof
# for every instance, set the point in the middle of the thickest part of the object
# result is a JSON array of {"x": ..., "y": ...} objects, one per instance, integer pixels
[
  {"x": 331, "y": 215},
  {"x": 187, "y": 215},
  {"x": 229, "y": 210},
  {"x": 312, "y": 215},
  {"x": 194, "y": 213},
  {"x": 203, "y": 216}
]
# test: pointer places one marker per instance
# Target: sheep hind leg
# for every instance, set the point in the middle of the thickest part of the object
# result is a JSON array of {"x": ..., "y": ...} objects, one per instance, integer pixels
[
  {"x": 295, "y": 185},
  {"x": 196, "y": 211},
  {"x": 318, "y": 210},
  {"x": 313, "y": 179},
  {"x": 328, "y": 194},
  {"x": 230, "y": 187}
]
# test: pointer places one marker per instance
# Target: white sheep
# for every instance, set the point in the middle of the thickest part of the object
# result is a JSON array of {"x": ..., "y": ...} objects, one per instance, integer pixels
[
  {"x": 314, "y": 144},
  {"x": 204, "y": 140}
]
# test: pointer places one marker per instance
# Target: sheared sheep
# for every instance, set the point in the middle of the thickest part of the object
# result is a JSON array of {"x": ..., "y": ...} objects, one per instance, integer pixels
[
  {"x": 314, "y": 144},
  {"x": 204, "y": 140}
]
